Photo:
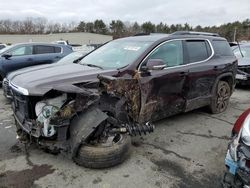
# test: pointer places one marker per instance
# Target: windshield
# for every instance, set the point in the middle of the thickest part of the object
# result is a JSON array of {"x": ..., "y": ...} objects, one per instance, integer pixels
[
  {"x": 116, "y": 54},
  {"x": 71, "y": 57},
  {"x": 245, "y": 52}
]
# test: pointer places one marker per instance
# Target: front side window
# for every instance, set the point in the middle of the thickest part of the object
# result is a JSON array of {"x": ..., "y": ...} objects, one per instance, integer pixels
[
  {"x": 198, "y": 50},
  {"x": 24, "y": 50},
  {"x": 171, "y": 53}
]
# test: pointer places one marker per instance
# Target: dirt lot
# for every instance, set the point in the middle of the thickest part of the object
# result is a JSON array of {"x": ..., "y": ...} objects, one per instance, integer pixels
[{"x": 186, "y": 150}]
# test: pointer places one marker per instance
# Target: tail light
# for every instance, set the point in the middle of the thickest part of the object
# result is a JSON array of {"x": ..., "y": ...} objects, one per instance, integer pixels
[{"x": 238, "y": 124}]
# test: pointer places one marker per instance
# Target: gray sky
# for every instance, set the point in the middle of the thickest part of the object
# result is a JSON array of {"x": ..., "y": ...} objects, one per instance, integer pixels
[{"x": 194, "y": 12}]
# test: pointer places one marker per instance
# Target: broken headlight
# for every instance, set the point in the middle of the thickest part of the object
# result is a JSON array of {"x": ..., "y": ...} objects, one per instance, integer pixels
[{"x": 45, "y": 110}]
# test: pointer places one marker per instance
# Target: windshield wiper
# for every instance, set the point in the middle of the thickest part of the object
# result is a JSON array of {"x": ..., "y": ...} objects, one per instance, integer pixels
[{"x": 91, "y": 65}]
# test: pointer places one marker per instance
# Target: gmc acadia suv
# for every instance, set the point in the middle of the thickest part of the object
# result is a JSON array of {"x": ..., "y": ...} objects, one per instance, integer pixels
[{"x": 91, "y": 108}]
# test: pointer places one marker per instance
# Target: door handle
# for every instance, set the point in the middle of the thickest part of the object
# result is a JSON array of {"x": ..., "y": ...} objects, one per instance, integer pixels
[
  {"x": 215, "y": 68},
  {"x": 29, "y": 59},
  {"x": 183, "y": 74}
]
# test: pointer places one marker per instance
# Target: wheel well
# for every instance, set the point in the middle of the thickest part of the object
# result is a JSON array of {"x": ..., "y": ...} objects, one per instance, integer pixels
[{"x": 229, "y": 80}]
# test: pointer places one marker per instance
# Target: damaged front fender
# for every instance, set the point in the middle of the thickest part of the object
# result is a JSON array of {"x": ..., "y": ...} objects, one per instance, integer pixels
[{"x": 127, "y": 88}]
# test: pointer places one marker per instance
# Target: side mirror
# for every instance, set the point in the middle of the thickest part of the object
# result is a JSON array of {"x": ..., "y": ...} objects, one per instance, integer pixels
[
  {"x": 6, "y": 56},
  {"x": 155, "y": 64}
]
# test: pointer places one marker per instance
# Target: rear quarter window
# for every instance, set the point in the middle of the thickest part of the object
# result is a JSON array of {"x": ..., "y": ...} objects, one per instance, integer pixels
[
  {"x": 198, "y": 50},
  {"x": 58, "y": 49},
  {"x": 222, "y": 48},
  {"x": 43, "y": 49}
]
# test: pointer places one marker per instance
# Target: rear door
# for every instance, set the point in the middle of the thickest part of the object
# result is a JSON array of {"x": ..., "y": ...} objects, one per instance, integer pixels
[
  {"x": 45, "y": 54},
  {"x": 21, "y": 57},
  {"x": 202, "y": 72},
  {"x": 162, "y": 91}
]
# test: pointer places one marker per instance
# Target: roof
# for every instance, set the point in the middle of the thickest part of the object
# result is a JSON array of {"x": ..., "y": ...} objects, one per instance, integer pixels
[{"x": 162, "y": 36}]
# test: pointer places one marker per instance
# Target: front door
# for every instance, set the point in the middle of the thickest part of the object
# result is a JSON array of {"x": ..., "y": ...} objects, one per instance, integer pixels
[
  {"x": 21, "y": 57},
  {"x": 163, "y": 91}
]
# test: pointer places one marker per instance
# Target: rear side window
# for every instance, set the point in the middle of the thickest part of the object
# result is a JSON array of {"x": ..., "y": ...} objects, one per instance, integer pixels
[
  {"x": 222, "y": 48},
  {"x": 198, "y": 50},
  {"x": 43, "y": 49}
]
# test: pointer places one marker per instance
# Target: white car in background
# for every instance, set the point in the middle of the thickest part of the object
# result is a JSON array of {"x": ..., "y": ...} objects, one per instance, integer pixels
[{"x": 2, "y": 46}]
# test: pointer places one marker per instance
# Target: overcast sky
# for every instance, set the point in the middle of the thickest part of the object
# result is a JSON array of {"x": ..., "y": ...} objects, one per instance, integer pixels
[{"x": 194, "y": 12}]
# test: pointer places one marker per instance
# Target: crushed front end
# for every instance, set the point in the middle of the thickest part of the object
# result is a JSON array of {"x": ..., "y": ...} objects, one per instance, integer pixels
[
  {"x": 47, "y": 119},
  {"x": 104, "y": 109}
]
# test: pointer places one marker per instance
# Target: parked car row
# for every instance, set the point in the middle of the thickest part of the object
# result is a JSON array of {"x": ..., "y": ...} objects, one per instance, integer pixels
[
  {"x": 89, "y": 105},
  {"x": 73, "y": 57},
  {"x": 29, "y": 54}
]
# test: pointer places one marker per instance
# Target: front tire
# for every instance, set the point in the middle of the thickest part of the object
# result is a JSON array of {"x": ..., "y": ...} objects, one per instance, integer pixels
[
  {"x": 221, "y": 97},
  {"x": 104, "y": 156}
]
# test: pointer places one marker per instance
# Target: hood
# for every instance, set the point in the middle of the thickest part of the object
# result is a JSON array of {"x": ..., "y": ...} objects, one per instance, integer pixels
[
  {"x": 40, "y": 81},
  {"x": 244, "y": 61},
  {"x": 27, "y": 70}
]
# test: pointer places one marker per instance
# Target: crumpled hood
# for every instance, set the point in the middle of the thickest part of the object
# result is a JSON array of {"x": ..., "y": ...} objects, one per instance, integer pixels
[
  {"x": 243, "y": 61},
  {"x": 40, "y": 81}
]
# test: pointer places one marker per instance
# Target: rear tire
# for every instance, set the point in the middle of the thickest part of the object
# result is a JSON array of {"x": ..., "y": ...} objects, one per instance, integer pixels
[
  {"x": 220, "y": 98},
  {"x": 92, "y": 156}
]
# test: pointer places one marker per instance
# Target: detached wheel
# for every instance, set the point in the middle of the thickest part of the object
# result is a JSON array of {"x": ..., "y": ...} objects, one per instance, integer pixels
[
  {"x": 103, "y": 155},
  {"x": 221, "y": 98}
]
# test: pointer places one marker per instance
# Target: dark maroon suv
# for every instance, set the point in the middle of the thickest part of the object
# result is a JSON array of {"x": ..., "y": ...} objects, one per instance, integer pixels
[{"x": 91, "y": 108}]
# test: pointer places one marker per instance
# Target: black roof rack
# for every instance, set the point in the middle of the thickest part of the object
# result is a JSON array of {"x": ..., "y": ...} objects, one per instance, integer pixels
[
  {"x": 195, "y": 33},
  {"x": 143, "y": 34}
]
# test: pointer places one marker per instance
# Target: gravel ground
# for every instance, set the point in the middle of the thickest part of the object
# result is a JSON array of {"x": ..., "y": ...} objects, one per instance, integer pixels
[{"x": 186, "y": 150}]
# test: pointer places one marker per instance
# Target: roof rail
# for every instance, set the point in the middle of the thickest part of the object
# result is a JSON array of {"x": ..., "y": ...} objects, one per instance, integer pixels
[
  {"x": 143, "y": 34},
  {"x": 195, "y": 33}
]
